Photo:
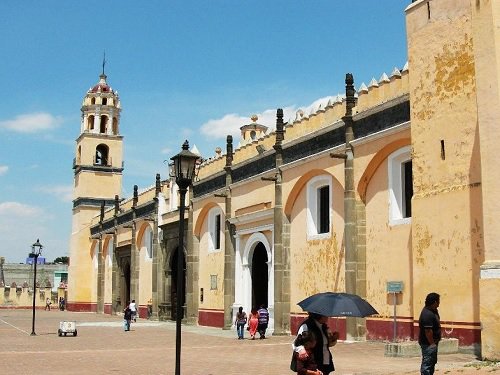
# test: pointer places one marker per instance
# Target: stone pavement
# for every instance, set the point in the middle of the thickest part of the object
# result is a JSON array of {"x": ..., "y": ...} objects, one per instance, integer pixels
[{"x": 102, "y": 347}]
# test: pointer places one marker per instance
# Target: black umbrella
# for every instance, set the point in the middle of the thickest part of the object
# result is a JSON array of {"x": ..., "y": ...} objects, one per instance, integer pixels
[{"x": 337, "y": 304}]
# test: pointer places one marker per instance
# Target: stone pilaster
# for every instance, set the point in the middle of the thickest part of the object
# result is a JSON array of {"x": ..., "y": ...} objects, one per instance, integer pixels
[
  {"x": 281, "y": 283},
  {"x": 192, "y": 265},
  {"x": 229, "y": 261},
  {"x": 350, "y": 203},
  {"x": 134, "y": 254}
]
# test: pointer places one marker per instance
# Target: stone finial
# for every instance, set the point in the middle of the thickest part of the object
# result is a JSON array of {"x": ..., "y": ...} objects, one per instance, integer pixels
[
  {"x": 349, "y": 93},
  {"x": 396, "y": 73},
  {"x": 229, "y": 150},
  {"x": 254, "y": 118},
  {"x": 157, "y": 184},
  {"x": 383, "y": 78},
  {"x": 280, "y": 133},
  {"x": 218, "y": 152},
  {"x": 363, "y": 89},
  {"x": 405, "y": 68},
  {"x": 136, "y": 196},
  {"x": 373, "y": 83}
]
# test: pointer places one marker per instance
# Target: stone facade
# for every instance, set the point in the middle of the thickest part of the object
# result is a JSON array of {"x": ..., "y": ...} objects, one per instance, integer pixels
[{"x": 394, "y": 181}]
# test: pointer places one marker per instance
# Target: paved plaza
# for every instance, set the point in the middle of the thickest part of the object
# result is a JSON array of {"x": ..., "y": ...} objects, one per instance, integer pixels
[{"x": 102, "y": 347}]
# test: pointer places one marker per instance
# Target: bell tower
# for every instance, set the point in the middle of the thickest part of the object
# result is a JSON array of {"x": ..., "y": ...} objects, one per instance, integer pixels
[
  {"x": 98, "y": 167},
  {"x": 99, "y": 148}
]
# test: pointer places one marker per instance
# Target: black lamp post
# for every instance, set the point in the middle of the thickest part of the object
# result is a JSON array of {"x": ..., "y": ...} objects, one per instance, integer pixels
[
  {"x": 184, "y": 169},
  {"x": 36, "y": 251}
]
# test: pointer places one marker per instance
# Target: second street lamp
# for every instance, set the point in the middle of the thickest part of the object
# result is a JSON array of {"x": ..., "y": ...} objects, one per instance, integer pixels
[
  {"x": 36, "y": 251},
  {"x": 184, "y": 169}
]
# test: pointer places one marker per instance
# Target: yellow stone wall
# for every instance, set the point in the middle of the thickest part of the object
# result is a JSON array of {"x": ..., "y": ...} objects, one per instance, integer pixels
[
  {"x": 81, "y": 271},
  {"x": 211, "y": 263},
  {"x": 447, "y": 220},
  {"x": 486, "y": 18}
]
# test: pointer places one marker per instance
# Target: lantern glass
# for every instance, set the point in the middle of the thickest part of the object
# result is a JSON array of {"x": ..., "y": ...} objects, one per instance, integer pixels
[{"x": 184, "y": 164}]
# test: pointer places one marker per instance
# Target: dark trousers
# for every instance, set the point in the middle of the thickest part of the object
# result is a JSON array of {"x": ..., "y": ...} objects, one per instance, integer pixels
[
  {"x": 325, "y": 369},
  {"x": 262, "y": 329},
  {"x": 429, "y": 359}
]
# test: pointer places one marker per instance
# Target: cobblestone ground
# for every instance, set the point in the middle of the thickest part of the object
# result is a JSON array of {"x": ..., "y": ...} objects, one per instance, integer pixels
[{"x": 102, "y": 347}]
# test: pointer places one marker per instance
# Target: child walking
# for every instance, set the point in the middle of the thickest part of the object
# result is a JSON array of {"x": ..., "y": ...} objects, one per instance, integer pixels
[{"x": 307, "y": 365}]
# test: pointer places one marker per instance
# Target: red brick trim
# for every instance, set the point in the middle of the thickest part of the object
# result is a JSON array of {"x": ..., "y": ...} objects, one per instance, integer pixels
[
  {"x": 82, "y": 306},
  {"x": 211, "y": 318}
]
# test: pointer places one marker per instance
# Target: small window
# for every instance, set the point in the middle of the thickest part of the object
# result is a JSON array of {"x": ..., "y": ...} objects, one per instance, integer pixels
[
  {"x": 214, "y": 229},
  {"x": 253, "y": 135},
  {"x": 324, "y": 209},
  {"x": 101, "y": 155},
  {"x": 104, "y": 101},
  {"x": 217, "y": 232},
  {"x": 400, "y": 186},
  {"x": 104, "y": 122},
  {"x": 319, "y": 207},
  {"x": 92, "y": 101},
  {"x": 90, "y": 122},
  {"x": 407, "y": 185}
]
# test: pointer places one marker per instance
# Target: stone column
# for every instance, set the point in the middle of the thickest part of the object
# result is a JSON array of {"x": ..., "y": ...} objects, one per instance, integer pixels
[
  {"x": 155, "y": 250},
  {"x": 192, "y": 257},
  {"x": 115, "y": 275},
  {"x": 228, "y": 241},
  {"x": 100, "y": 278},
  {"x": 349, "y": 203},
  {"x": 134, "y": 254},
  {"x": 281, "y": 283},
  {"x": 100, "y": 266}
]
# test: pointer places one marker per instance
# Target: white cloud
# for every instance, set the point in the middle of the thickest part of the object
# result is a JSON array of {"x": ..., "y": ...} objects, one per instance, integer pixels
[
  {"x": 63, "y": 192},
  {"x": 32, "y": 122},
  {"x": 231, "y": 123},
  {"x": 16, "y": 209},
  {"x": 3, "y": 169}
]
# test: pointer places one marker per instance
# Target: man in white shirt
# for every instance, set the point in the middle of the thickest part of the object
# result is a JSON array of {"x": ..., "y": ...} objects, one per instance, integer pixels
[{"x": 133, "y": 307}]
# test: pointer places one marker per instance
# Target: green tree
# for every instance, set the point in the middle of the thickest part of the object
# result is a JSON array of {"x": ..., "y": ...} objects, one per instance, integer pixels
[{"x": 63, "y": 260}]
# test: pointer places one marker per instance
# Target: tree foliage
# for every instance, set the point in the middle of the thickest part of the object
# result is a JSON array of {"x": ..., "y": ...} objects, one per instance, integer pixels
[{"x": 63, "y": 260}]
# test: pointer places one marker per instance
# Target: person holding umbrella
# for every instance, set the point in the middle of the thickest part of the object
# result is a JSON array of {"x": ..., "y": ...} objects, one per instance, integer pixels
[
  {"x": 316, "y": 324},
  {"x": 322, "y": 305}
]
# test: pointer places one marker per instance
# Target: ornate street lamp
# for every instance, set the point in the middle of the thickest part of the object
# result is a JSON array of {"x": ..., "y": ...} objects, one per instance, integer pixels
[
  {"x": 184, "y": 169},
  {"x": 36, "y": 251}
]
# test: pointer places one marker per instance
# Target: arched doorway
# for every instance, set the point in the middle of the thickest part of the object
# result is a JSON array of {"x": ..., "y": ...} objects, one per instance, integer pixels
[
  {"x": 173, "y": 290},
  {"x": 121, "y": 293},
  {"x": 125, "y": 282},
  {"x": 260, "y": 278}
]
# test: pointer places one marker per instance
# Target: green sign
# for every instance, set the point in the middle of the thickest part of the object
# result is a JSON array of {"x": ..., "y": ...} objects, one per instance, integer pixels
[{"x": 394, "y": 286}]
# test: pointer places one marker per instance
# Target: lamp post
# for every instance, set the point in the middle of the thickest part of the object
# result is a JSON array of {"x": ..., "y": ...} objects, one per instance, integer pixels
[
  {"x": 36, "y": 251},
  {"x": 184, "y": 169}
]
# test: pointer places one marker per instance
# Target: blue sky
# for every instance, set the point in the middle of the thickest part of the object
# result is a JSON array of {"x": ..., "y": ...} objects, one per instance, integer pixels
[{"x": 193, "y": 70}]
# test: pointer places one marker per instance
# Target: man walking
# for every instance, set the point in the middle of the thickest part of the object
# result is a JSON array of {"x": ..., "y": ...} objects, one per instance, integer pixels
[
  {"x": 430, "y": 333},
  {"x": 263, "y": 321}
]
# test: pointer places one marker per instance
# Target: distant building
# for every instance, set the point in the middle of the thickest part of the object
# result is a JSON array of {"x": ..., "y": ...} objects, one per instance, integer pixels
[{"x": 47, "y": 275}]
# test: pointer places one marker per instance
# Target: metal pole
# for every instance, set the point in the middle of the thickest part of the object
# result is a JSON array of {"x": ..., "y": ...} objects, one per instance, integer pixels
[
  {"x": 178, "y": 307},
  {"x": 394, "y": 329},
  {"x": 34, "y": 296}
]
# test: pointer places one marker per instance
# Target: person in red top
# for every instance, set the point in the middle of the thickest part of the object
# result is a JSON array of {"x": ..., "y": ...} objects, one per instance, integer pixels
[{"x": 253, "y": 322}]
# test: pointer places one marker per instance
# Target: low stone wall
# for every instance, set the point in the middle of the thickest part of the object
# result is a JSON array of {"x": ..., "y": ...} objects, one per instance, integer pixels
[
  {"x": 412, "y": 349},
  {"x": 22, "y": 298}
]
